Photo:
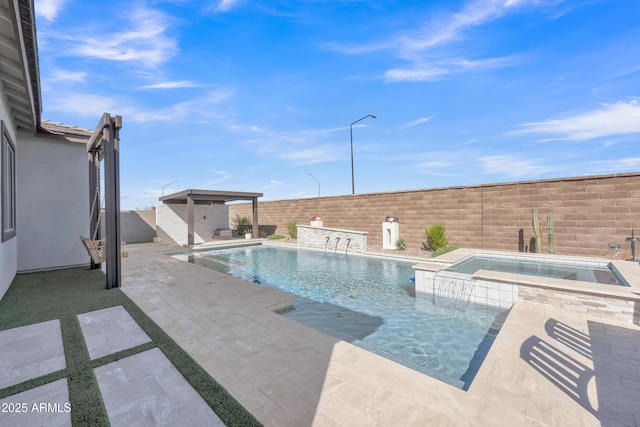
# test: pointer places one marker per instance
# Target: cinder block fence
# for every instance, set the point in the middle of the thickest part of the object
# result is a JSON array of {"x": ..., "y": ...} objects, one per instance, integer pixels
[{"x": 589, "y": 212}]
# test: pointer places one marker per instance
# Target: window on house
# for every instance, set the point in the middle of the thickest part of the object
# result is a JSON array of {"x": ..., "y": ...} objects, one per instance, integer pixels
[{"x": 8, "y": 183}]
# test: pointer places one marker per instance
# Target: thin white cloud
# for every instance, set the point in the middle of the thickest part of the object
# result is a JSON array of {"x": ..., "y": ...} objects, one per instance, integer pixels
[
  {"x": 435, "y": 164},
  {"x": 303, "y": 146},
  {"x": 631, "y": 163},
  {"x": 84, "y": 105},
  {"x": 198, "y": 109},
  {"x": 225, "y": 5},
  {"x": 48, "y": 9},
  {"x": 440, "y": 68},
  {"x": 443, "y": 163},
  {"x": 422, "y": 48},
  {"x": 320, "y": 154},
  {"x": 417, "y": 122},
  {"x": 214, "y": 182},
  {"x": 513, "y": 166},
  {"x": 216, "y": 171},
  {"x": 442, "y": 30},
  {"x": 612, "y": 119},
  {"x": 69, "y": 76},
  {"x": 274, "y": 182},
  {"x": 176, "y": 84},
  {"x": 145, "y": 42}
]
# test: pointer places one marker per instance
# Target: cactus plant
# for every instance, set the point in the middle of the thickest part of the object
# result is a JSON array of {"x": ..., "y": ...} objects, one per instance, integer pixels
[
  {"x": 551, "y": 235},
  {"x": 538, "y": 231}
]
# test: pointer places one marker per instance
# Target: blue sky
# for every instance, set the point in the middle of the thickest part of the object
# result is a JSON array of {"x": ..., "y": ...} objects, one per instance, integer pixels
[{"x": 256, "y": 95}]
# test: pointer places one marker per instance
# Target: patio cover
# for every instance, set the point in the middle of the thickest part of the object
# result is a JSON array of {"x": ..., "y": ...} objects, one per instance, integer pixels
[{"x": 192, "y": 197}]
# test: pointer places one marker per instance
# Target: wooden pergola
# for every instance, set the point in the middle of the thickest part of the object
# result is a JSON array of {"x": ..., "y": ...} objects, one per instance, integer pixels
[
  {"x": 105, "y": 144},
  {"x": 192, "y": 197}
]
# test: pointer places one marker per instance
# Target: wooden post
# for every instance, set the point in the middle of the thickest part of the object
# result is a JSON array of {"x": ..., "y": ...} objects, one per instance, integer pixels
[{"x": 112, "y": 199}]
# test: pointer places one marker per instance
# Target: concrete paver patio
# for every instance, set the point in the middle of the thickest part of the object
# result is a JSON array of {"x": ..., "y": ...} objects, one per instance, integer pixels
[
  {"x": 110, "y": 330},
  {"x": 146, "y": 389},
  {"x": 546, "y": 367},
  {"x": 47, "y": 405},
  {"x": 30, "y": 351}
]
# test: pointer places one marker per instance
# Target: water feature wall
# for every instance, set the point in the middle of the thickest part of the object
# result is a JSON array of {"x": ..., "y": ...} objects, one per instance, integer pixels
[
  {"x": 332, "y": 239},
  {"x": 431, "y": 279}
]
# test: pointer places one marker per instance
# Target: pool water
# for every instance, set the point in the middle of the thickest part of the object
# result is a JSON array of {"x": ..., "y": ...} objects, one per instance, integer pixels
[
  {"x": 368, "y": 301},
  {"x": 589, "y": 272}
]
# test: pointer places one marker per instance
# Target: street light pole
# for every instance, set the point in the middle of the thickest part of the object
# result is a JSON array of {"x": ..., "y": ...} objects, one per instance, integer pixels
[
  {"x": 353, "y": 188},
  {"x": 311, "y": 175},
  {"x": 164, "y": 186}
]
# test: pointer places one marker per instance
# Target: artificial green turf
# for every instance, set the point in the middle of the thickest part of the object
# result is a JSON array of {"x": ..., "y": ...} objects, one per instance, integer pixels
[{"x": 63, "y": 294}]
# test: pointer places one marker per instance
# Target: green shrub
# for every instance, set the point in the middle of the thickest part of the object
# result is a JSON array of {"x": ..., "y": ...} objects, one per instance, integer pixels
[
  {"x": 435, "y": 237},
  {"x": 293, "y": 229},
  {"x": 443, "y": 251},
  {"x": 401, "y": 245},
  {"x": 242, "y": 224},
  {"x": 275, "y": 237}
]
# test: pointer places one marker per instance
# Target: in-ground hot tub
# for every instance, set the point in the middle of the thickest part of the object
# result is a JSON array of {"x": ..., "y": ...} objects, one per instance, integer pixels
[
  {"x": 588, "y": 285},
  {"x": 559, "y": 268}
]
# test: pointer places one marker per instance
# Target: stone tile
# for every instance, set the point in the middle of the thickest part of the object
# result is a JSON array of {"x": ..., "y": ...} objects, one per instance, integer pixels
[
  {"x": 30, "y": 351},
  {"x": 146, "y": 389},
  {"x": 47, "y": 405},
  {"x": 110, "y": 330}
]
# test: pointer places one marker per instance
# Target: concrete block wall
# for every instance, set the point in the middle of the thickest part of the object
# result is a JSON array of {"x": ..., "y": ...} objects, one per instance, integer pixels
[
  {"x": 171, "y": 222},
  {"x": 589, "y": 212},
  {"x": 138, "y": 226}
]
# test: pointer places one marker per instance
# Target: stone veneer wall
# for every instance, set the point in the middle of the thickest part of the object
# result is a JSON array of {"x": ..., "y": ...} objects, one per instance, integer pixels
[
  {"x": 588, "y": 213},
  {"x": 593, "y": 305},
  {"x": 342, "y": 241}
]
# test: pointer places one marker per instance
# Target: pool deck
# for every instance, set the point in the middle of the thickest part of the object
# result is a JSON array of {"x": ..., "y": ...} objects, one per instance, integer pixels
[{"x": 546, "y": 367}]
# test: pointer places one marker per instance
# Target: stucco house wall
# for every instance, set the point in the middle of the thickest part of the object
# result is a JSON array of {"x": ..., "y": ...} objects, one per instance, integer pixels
[
  {"x": 8, "y": 249},
  {"x": 52, "y": 202},
  {"x": 171, "y": 221}
]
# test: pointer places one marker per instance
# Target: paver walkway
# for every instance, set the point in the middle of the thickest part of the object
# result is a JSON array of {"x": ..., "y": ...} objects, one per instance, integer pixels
[
  {"x": 140, "y": 390},
  {"x": 110, "y": 330},
  {"x": 47, "y": 405},
  {"x": 146, "y": 390},
  {"x": 30, "y": 351}
]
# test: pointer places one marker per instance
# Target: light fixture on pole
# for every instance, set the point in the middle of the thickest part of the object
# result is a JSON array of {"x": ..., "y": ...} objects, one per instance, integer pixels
[
  {"x": 164, "y": 186},
  {"x": 353, "y": 188},
  {"x": 311, "y": 175}
]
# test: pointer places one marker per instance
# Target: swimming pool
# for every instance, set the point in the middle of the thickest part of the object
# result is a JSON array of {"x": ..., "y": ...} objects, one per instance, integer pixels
[
  {"x": 367, "y": 301},
  {"x": 594, "y": 272}
]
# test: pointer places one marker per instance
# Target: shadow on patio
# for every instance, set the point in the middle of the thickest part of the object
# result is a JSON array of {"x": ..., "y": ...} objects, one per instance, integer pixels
[{"x": 599, "y": 370}]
